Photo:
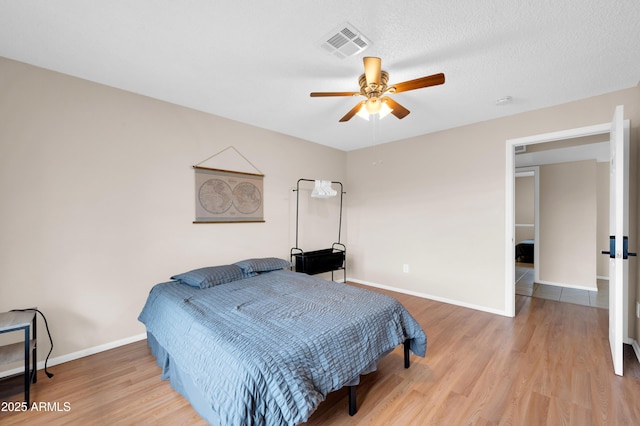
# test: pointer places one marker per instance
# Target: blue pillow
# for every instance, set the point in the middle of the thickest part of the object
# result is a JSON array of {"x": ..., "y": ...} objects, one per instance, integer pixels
[
  {"x": 210, "y": 276},
  {"x": 251, "y": 267}
]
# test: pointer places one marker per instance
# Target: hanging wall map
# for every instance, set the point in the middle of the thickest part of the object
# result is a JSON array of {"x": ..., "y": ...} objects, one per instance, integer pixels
[{"x": 226, "y": 196}]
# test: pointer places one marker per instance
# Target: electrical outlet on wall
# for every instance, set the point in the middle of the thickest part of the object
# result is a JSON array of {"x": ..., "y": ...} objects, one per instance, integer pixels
[
  {"x": 637, "y": 309},
  {"x": 405, "y": 268}
]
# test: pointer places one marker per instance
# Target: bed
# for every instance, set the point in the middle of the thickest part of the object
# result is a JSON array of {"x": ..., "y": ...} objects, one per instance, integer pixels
[
  {"x": 524, "y": 251},
  {"x": 256, "y": 343}
]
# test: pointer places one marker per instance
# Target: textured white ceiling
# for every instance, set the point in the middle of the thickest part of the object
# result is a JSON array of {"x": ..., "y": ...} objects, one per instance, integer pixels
[{"x": 256, "y": 62}]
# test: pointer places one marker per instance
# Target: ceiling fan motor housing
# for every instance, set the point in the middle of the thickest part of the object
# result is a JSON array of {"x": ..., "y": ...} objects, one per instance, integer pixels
[{"x": 373, "y": 89}]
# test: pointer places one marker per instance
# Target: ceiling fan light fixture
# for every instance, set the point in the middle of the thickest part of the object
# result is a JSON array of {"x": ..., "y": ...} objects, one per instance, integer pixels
[
  {"x": 384, "y": 110},
  {"x": 373, "y": 87},
  {"x": 373, "y": 105},
  {"x": 362, "y": 113}
]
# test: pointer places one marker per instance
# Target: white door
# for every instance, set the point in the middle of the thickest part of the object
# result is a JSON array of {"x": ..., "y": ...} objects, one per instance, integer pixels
[{"x": 618, "y": 230}]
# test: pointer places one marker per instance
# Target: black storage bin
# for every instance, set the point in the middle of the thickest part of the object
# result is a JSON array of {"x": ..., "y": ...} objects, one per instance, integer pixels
[{"x": 318, "y": 261}]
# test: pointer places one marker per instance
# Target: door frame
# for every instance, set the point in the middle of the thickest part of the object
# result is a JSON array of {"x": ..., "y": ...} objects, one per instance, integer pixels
[{"x": 509, "y": 242}]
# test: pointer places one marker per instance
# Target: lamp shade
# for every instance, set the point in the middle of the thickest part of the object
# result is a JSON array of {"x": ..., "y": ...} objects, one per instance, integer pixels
[{"x": 373, "y": 105}]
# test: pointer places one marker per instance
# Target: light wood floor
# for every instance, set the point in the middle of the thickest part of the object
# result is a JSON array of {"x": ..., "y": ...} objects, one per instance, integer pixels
[{"x": 548, "y": 365}]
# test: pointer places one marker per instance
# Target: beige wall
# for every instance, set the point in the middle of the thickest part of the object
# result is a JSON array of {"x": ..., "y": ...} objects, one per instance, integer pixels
[
  {"x": 568, "y": 222},
  {"x": 524, "y": 213},
  {"x": 97, "y": 192},
  {"x": 437, "y": 202}
]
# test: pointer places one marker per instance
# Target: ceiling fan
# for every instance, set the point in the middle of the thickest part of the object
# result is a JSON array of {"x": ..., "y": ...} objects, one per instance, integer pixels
[{"x": 373, "y": 86}]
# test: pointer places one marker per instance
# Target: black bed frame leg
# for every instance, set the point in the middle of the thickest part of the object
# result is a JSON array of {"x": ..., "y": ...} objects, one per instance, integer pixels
[
  {"x": 406, "y": 353},
  {"x": 353, "y": 409}
]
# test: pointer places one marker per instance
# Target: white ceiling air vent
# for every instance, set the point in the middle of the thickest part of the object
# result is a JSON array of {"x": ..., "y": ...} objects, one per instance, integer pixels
[{"x": 345, "y": 41}]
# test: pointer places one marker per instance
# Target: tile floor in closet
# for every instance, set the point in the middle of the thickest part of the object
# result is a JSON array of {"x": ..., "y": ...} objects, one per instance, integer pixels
[{"x": 526, "y": 286}]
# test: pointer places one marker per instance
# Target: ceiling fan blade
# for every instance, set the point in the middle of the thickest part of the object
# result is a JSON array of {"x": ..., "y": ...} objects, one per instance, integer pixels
[
  {"x": 419, "y": 83},
  {"x": 372, "y": 67},
  {"x": 348, "y": 116},
  {"x": 321, "y": 94},
  {"x": 398, "y": 110}
]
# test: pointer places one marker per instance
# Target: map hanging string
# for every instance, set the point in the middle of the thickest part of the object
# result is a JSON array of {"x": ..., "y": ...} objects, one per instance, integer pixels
[{"x": 238, "y": 152}]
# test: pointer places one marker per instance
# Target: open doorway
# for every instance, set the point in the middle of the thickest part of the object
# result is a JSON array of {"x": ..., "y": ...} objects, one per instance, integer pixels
[
  {"x": 525, "y": 214},
  {"x": 618, "y": 131},
  {"x": 574, "y": 221},
  {"x": 541, "y": 151}
]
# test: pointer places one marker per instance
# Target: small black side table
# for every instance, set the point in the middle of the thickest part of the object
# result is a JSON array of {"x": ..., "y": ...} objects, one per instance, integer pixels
[{"x": 16, "y": 321}]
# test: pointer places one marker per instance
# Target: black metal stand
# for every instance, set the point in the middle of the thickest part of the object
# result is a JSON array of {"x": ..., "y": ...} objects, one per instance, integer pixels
[{"x": 319, "y": 261}]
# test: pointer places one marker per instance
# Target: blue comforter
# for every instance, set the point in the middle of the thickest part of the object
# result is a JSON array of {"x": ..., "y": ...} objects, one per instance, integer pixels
[{"x": 267, "y": 350}]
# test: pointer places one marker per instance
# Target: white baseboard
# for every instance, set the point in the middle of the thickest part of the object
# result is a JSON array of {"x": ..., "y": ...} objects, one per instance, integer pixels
[
  {"x": 431, "y": 297},
  {"x": 636, "y": 348},
  {"x": 577, "y": 287},
  {"x": 79, "y": 354}
]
